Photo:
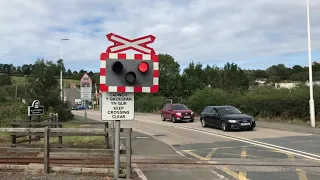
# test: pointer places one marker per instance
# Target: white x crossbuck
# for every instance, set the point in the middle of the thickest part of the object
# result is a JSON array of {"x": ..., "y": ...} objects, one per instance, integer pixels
[{"x": 123, "y": 44}]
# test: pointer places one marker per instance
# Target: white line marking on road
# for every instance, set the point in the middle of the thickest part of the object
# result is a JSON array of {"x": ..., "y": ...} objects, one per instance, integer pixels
[
  {"x": 139, "y": 172},
  {"x": 219, "y": 175},
  {"x": 249, "y": 141},
  {"x": 181, "y": 154},
  {"x": 143, "y": 137}
]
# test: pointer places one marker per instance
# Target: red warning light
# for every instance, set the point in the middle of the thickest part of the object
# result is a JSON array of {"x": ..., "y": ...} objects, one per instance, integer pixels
[{"x": 143, "y": 67}]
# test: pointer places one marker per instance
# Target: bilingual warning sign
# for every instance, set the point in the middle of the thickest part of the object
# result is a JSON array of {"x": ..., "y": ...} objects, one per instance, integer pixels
[{"x": 117, "y": 106}]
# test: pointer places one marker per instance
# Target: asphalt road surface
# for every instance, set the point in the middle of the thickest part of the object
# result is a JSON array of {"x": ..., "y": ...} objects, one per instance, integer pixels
[{"x": 262, "y": 154}]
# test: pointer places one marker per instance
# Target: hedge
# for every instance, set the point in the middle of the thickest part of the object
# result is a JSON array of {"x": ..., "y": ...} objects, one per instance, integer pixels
[{"x": 261, "y": 102}]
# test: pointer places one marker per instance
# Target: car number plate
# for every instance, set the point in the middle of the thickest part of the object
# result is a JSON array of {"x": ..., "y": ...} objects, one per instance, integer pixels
[
  {"x": 187, "y": 117},
  {"x": 245, "y": 124}
]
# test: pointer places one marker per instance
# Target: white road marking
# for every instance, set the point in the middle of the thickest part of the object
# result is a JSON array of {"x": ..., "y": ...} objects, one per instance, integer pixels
[
  {"x": 219, "y": 175},
  {"x": 139, "y": 172},
  {"x": 249, "y": 141}
]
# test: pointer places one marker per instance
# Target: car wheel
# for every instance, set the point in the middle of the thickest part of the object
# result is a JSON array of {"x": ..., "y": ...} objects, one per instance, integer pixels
[
  {"x": 203, "y": 123},
  {"x": 224, "y": 126},
  {"x": 173, "y": 119},
  {"x": 162, "y": 118},
  {"x": 192, "y": 120},
  {"x": 250, "y": 128}
]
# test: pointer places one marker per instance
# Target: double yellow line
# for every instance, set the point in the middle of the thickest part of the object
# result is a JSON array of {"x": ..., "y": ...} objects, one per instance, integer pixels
[{"x": 240, "y": 176}]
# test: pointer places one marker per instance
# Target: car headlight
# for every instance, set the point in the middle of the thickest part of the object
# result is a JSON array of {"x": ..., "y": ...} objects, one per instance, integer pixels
[
  {"x": 179, "y": 114},
  {"x": 191, "y": 112},
  {"x": 252, "y": 119},
  {"x": 232, "y": 121}
]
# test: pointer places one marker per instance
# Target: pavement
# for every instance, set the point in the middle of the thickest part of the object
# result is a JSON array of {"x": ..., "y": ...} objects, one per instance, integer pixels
[{"x": 267, "y": 152}]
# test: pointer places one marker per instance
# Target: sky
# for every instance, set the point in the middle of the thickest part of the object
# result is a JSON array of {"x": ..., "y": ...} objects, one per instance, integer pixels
[{"x": 255, "y": 34}]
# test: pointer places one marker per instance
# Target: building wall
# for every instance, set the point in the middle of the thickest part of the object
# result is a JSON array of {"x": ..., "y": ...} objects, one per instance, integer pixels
[{"x": 72, "y": 94}]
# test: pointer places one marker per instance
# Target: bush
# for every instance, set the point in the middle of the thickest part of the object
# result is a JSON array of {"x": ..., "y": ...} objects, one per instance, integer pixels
[
  {"x": 148, "y": 103},
  {"x": 265, "y": 102},
  {"x": 12, "y": 111},
  {"x": 207, "y": 97}
]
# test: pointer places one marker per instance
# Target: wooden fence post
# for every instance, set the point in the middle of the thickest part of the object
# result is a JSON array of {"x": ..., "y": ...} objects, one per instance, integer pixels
[
  {"x": 128, "y": 153},
  {"x": 13, "y": 137},
  {"x": 106, "y": 126},
  {"x": 60, "y": 137},
  {"x": 30, "y": 118},
  {"x": 46, "y": 151}
]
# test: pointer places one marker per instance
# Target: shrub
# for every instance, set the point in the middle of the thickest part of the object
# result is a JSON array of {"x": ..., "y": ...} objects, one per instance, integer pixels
[
  {"x": 148, "y": 103},
  {"x": 207, "y": 97}
]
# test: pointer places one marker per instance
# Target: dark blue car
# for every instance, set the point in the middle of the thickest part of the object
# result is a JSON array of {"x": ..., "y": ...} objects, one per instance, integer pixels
[{"x": 80, "y": 107}]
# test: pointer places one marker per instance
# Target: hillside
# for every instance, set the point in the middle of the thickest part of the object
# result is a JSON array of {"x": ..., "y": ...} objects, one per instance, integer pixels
[{"x": 18, "y": 80}]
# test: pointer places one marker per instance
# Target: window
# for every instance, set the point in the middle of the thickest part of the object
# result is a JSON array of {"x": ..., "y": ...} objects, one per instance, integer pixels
[
  {"x": 179, "y": 107},
  {"x": 228, "y": 110},
  {"x": 209, "y": 110}
]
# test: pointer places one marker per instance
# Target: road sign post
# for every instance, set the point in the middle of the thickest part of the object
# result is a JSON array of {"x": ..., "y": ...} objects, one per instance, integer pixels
[
  {"x": 122, "y": 75},
  {"x": 86, "y": 91}
]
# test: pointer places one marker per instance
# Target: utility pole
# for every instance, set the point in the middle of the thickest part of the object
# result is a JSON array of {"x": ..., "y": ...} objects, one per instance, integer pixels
[
  {"x": 311, "y": 101},
  {"x": 61, "y": 68}
]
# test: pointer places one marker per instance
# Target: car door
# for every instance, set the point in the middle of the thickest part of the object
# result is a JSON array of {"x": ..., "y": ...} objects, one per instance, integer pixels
[
  {"x": 216, "y": 120},
  {"x": 165, "y": 111},
  {"x": 209, "y": 116}
]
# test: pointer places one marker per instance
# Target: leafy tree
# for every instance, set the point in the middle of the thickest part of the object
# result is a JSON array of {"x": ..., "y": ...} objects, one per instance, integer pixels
[
  {"x": 169, "y": 76},
  {"x": 43, "y": 86},
  {"x": 233, "y": 78},
  {"x": 69, "y": 73},
  {"x": 5, "y": 80}
]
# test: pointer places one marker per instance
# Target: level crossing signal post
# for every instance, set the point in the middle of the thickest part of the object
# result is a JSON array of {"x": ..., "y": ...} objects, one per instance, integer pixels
[
  {"x": 86, "y": 91},
  {"x": 122, "y": 75}
]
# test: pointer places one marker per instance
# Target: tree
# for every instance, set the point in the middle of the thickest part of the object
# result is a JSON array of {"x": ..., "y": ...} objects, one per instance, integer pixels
[
  {"x": 233, "y": 78},
  {"x": 279, "y": 70},
  {"x": 169, "y": 76},
  {"x": 43, "y": 86},
  {"x": 69, "y": 73},
  {"x": 5, "y": 80},
  {"x": 60, "y": 65},
  {"x": 194, "y": 78},
  {"x": 19, "y": 70}
]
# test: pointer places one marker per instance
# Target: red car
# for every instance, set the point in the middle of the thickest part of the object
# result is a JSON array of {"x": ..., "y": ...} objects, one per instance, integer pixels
[{"x": 176, "y": 112}]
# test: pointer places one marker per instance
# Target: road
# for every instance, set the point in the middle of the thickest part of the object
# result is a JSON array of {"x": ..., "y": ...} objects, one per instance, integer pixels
[{"x": 264, "y": 153}]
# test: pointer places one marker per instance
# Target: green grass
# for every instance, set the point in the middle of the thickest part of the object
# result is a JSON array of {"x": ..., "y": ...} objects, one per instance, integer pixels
[{"x": 18, "y": 80}]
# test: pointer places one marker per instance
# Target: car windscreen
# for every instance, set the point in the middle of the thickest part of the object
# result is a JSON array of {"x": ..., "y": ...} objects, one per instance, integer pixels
[
  {"x": 179, "y": 107},
  {"x": 228, "y": 110}
]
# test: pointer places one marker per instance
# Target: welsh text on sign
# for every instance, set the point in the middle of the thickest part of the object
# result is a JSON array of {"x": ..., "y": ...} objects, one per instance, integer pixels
[{"x": 117, "y": 106}]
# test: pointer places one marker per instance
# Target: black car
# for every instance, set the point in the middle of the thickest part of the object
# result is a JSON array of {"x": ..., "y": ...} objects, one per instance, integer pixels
[{"x": 226, "y": 118}]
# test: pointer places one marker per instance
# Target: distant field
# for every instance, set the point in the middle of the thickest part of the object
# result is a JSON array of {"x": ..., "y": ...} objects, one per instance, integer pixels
[{"x": 21, "y": 80}]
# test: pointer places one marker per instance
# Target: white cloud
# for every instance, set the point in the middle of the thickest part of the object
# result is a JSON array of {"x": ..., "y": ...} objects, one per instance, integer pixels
[{"x": 199, "y": 30}]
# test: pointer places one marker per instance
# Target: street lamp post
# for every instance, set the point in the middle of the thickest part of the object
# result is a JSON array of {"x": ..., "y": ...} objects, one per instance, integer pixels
[
  {"x": 61, "y": 68},
  {"x": 311, "y": 101}
]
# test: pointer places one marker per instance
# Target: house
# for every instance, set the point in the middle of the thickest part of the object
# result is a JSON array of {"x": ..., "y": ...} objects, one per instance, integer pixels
[
  {"x": 287, "y": 85},
  {"x": 261, "y": 81},
  {"x": 73, "y": 95}
]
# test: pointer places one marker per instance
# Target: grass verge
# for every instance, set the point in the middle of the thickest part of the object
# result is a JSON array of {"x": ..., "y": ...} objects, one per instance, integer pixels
[{"x": 67, "y": 140}]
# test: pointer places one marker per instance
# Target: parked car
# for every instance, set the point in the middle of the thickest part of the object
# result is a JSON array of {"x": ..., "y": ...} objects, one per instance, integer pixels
[
  {"x": 176, "y": 112},
  {"x": 226, "y": 118},
  {"x": 79, "y": 107}
]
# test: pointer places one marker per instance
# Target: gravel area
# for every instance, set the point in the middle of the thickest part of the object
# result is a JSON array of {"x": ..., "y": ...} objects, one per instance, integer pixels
[
  {"x": 26, "y": 175},
  {"x": 18, "y": 154},
  {"x": 52, "y": 176}
]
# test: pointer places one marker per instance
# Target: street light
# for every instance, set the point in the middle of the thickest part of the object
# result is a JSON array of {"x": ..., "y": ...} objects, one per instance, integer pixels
[
  {"x": 61, "y": 68},
  {"x": 311, "y": 101}
]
